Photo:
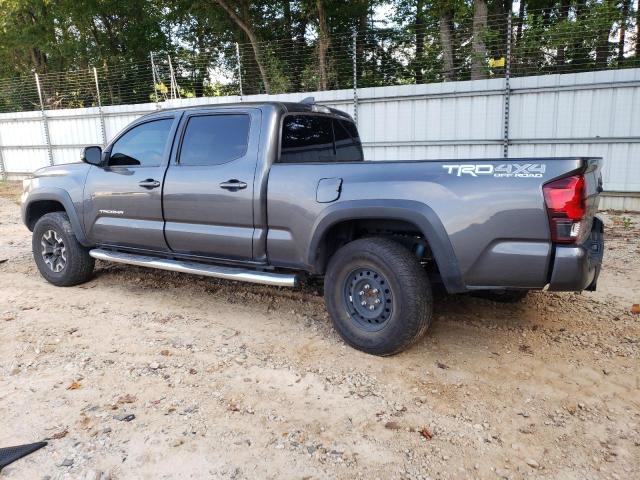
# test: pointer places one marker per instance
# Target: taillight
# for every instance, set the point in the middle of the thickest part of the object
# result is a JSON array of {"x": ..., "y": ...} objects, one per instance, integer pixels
[{"x": 565, "y": 200}]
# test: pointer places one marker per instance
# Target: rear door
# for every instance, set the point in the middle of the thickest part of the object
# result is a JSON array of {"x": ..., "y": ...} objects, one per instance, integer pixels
[
  {"x": 209, "y": 186},
  {"x": 123, "y": 204}
]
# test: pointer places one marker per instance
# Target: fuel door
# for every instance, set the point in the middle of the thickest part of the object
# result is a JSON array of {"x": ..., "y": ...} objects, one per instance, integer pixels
[{"x": 328, "y": 190}]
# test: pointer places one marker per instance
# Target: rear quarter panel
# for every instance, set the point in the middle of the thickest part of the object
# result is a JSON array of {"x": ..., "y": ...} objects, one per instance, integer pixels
[{"x": 496, "y": 227}]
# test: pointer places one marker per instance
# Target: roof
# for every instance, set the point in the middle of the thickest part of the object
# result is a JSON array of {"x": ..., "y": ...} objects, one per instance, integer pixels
[{"x": 285, "y": 106}]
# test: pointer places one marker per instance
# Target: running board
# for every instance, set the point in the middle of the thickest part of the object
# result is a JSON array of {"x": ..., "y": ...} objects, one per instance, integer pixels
[{"x": 228, "y": 273}]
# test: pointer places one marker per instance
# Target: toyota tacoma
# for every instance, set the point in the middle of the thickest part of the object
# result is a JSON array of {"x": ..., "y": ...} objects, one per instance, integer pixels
[{"x": 277, "y": 192}]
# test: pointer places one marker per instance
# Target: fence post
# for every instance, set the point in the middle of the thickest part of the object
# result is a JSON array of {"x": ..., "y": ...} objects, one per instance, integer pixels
[
  {"x": 355, "y": 76},
  {"x": 102, "y": 129},
  {"x": 239, "y": 68},
  {"x": 155, "y": 79},
  {"x": 45, "y": 123},
  {"x": 507, "y": 90},
  {"x": 3, "y": 171},
  {"x": 175, "y": 91}
]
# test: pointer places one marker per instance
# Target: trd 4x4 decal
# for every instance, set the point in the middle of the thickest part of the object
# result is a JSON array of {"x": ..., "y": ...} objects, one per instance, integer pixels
[{"x": 504, "y": 170}]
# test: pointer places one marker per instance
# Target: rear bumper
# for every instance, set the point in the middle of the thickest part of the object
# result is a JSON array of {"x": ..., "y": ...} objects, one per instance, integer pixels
[{"x": 576, "y": 268}]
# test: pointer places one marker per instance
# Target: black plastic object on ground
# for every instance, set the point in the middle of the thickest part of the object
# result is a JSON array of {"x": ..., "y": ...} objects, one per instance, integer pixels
[{"x": 11, "y": 454}]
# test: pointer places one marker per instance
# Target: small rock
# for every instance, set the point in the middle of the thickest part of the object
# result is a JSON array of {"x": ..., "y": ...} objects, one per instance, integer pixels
[
  {"x": 392, "y": 425},
  {"x": 67, "y": 462},
  {"x": 194, "y": 408},
  {"x": 154, "y": 365},
  {"x": 532, "y": 463},
  {"x": 92, "y": 475},
  {"x": 128, "y": 398},
  {"x": 124, "y": 417}
]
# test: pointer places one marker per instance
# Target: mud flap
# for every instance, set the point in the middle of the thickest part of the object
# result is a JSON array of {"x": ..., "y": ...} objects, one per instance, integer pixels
[{"x": 596, "y": 250}]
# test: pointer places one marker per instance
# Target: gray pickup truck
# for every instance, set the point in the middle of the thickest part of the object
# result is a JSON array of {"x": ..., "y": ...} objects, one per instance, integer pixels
[{"x": 276, "y": 192}]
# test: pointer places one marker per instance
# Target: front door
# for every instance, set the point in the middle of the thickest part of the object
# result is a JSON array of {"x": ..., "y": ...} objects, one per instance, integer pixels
[
  {"x": 209, "y": 193},
  {"x": 123, "y": 199}
]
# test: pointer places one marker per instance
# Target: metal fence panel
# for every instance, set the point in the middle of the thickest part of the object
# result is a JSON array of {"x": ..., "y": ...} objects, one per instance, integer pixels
[{"x": 593, "y": 113}]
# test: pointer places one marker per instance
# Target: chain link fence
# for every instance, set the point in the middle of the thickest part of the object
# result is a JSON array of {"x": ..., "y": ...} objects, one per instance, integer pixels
[{"x": 542, "y": 42}]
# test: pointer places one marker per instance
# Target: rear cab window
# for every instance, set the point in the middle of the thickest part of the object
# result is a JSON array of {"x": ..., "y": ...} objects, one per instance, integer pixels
[{"x": 313, "y": 138}]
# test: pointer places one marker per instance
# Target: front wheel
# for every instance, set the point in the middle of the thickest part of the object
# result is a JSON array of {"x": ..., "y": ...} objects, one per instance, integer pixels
[
  {"x": 378, "y": 296},
  {"x": 58, "y": 254}
]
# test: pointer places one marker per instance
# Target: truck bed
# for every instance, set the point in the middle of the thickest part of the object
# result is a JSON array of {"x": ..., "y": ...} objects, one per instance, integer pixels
[{"x": 485, "y": 220}]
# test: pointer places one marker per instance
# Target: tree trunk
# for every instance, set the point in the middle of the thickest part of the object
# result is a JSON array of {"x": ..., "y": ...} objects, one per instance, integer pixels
[
  {"x": 623, "y": 29},
  {"x": 579, "y": 54},
  {"x": 563, "y": 15},
  {"x": 638, "y": 32},
  {"x": 323, "y": 46},
  {"x": 602, "y": 47},
  {"x": 253, "y": 39},
  {"x": 478, "y": 48},
  {"x": 301, "y": 51},
  {"x": 419, "y": 30},
  {"x": 361, "y": 39},
  {"x": 446, "y": 40},
  {"x": 289, "y": 52},
  {"x": 520, "y": 21}
]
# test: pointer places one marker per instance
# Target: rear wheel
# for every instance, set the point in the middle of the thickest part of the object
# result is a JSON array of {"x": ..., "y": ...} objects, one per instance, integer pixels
[
  {"x": 58, "y": 254},
  {"x": 378, "y": 296}
]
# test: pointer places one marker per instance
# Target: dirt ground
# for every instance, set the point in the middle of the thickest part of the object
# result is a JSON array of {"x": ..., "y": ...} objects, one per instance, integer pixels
[{"x": 236, "y": 381}]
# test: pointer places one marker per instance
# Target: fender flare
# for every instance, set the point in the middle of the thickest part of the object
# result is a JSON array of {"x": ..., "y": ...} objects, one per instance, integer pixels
[
  {"x": 412, "y": 211},
  {"x": 61, "y": 196}
]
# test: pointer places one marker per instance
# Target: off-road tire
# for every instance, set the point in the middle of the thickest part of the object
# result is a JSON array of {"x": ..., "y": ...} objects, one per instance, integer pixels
[
  {"x": 408, "y": 294},
  {"x": 78, "y": 266}
]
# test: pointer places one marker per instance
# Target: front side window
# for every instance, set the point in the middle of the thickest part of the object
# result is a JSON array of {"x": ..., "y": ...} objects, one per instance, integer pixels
[
  {"x": 143, "y": 145},
  {"x": 214, "y": 139},
  {"x": 318, "y": 138}
]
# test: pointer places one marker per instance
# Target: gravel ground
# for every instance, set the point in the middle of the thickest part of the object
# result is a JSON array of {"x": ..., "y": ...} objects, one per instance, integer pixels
[{"x": 149, "y": 374}]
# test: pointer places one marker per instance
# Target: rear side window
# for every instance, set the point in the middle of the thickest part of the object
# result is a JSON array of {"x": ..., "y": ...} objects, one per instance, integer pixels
[
  {"x": 214, "y": 139},
  {"x": 348, "y": 148},
  {"x": 143, "y": 145},
  {"x": 317, "y": 138},
  {"x": 351, "y": 128},
  {"x": 306, "y": 138}
]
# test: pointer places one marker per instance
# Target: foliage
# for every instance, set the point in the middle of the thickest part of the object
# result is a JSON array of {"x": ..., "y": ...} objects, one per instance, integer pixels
[{"x": 281, "y": 45}]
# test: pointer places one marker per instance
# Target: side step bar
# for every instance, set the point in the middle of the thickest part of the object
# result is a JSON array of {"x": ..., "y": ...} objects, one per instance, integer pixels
[{"x": 229, "y": 273}]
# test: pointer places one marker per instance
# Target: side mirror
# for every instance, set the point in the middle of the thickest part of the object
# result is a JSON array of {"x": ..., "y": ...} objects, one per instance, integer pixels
[{"x": 92, "y": 155}]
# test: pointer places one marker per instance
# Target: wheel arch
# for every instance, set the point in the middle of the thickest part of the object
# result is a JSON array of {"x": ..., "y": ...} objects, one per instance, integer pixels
[
  {"x": 407, "y": 211},
  {"x": 50, "y": 200}
]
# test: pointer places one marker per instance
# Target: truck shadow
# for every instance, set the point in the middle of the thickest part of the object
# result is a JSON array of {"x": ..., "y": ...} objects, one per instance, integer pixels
[{"x": 307, "y": 301}]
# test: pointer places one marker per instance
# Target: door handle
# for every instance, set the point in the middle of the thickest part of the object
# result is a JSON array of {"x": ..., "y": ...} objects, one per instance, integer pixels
[
  {"x": 149, "y": 183},
  {"x": 233, "y": 185}
]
